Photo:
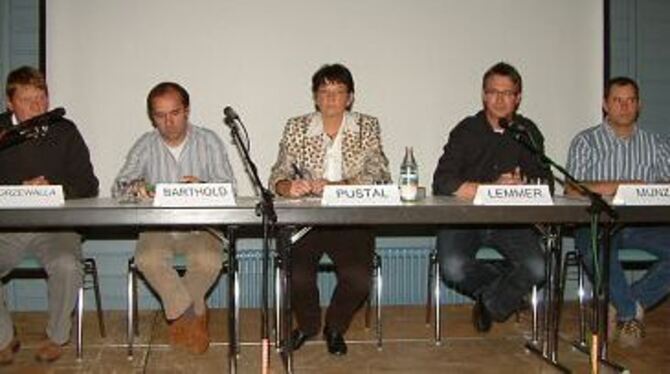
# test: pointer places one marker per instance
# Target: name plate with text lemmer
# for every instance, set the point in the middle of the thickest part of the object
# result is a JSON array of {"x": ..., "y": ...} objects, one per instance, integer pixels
[
  {"x": 642, "y": 194},
  {"x": 522, "y": 194},
  {"x": 31, "y": 196},
  {"x": 194, "y": 195},
  {"x": 361, "y": 195}
]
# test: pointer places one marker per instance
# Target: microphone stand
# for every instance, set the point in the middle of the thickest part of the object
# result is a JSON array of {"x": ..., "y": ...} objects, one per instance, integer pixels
[
  {"x": 265, "y": 209},
  {"x": 33, "y": 128},
  {"x": 597, "y": 207}
]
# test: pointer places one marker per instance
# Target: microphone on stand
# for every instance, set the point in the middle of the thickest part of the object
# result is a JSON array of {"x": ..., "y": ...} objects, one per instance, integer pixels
[
  {"x": 32, "y": 128},
  {"x": 230, "y": 116}
]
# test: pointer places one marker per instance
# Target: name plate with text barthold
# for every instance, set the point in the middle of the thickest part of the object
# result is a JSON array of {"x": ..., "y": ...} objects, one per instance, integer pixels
[
  {"x": 31, "y": 196},
  {"x": 194, "y": 194},
  {"x": 642, "y": 194},
  {"x": 521, "y": 194},
  {"x": 361, "y": 195}
]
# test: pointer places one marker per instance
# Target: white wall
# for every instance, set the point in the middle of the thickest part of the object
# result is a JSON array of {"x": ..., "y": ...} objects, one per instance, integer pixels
[{"x": 417, "y": 66}]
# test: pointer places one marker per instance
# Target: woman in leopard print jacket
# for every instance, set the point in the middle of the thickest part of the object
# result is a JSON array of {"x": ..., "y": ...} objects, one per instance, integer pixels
[{"x": 330, "y": 146}]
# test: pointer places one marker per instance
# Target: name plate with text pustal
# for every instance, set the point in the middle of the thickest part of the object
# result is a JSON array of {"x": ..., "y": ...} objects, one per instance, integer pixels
[
  {"x": 361, "y": 195},
  {"x": 521, "y": 194},
  {"x": 194, "y": 194},
  {"x": 31, "y": 196},
  {"x": 642, "y": 194}
]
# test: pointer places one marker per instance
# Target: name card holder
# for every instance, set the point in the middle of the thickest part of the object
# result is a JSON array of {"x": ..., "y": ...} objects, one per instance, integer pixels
[
  {"x": 361, "y": 195},
  {"x": 522, "y": 194},
  {"x": 642, "y": 194},
  {"x": 194, "y": 195},
  {"x": 31, "y": 196}
]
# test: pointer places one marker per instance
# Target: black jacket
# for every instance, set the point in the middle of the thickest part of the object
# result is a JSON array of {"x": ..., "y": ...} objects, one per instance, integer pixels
[
  {"x": 61, "y": 156},
  {"x": 476, "y": 153}
]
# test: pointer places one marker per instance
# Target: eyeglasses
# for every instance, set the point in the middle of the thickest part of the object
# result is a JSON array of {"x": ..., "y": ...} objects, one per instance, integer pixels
[
  {"x": 507, "y": 94},
  {"x": 327, "y": 93}
]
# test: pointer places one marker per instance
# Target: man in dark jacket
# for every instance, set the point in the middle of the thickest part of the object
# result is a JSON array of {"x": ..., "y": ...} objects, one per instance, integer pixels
[
  {"x": 480, "y": 150},
  {"x": 59, "y": 157}
]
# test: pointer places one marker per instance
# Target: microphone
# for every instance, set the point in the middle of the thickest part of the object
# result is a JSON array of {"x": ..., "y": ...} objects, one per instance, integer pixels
[
  {"x": 512, "y": 126},
  {"x": 32, "y": 128},
  {"x": 230, "y": 116}
]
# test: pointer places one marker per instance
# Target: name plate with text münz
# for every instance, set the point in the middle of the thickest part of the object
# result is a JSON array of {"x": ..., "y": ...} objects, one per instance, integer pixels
[
  {"x": 642, "y": 194},
  {"x": 194, "y": 194},
  {"x": 31, "y": 196},
  {"x": 522, "y": 194},
  {"x": 361, "y": 195}
]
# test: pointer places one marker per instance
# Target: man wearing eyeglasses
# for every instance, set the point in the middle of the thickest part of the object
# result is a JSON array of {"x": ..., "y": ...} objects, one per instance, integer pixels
[
  {"x": 481, "y": 151},
  {"x": 176, "y": 151}
]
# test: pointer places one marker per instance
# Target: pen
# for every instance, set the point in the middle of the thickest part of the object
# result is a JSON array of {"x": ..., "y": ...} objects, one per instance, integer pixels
[{"x": 297, "y": 171}]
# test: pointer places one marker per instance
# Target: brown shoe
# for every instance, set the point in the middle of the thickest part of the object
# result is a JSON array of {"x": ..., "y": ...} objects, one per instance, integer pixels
[
  {"x": 48, "y": 351},
  {"x": 198, "y": 340},
  {"x": 179, "y": 331},
  {"x": 7, "y": 353}
]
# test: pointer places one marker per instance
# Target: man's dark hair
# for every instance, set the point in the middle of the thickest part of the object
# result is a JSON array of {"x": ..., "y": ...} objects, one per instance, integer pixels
[
  {"x": 164, "y": 88},
  {"x": 618, "y": 82},
  {"x": 25, "y": 76},
  {"x": 506, "y": 70}
]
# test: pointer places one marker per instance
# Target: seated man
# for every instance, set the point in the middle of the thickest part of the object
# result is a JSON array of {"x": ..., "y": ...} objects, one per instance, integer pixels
[
  {"x": 480, "y": 151},
  {"x": 177, "y": 151},
  {"x": 615, "y": 152},
  {"x": 61, "y": 157}
]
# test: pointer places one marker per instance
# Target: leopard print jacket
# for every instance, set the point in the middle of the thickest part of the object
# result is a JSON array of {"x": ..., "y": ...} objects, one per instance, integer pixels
[{"x": 302, "y": 147}]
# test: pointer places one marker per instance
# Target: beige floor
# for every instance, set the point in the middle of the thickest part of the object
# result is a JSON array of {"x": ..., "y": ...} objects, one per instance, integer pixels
[{"x": 407, "y": 347}]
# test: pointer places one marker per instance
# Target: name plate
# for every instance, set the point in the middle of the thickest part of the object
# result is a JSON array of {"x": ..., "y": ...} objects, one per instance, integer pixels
[
  {"x": 31, "y": 196},
  {"x": 642, "y": 194},
  {"x": 523, "y": 194},
  {"x": 361, "y": 195},
  {"x": 194, "y": 194}
]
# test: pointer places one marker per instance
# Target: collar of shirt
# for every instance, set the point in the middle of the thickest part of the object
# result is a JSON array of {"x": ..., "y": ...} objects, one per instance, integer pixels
[
  {"x": 15, "y": 121},
  {"x": 316, "y": 124},
  {"x": 609, "y": 131}
]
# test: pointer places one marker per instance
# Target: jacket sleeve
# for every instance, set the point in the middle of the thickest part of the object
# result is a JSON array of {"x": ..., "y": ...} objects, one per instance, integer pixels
[
  {"x": 448, "y": 176},
  {"x": 282, "y": 168},
  {"x": 80, "y": 180},
  {"x": 376, "y": 165}
]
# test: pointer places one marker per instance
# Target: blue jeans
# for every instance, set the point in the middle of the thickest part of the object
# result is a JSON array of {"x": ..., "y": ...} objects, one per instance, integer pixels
[
  {"x": 655, "y": 284},
  {"x": 501, "y": 287}
]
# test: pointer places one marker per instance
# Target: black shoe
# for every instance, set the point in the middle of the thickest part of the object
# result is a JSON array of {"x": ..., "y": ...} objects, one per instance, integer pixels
[
  {"x": 481, "y": 317},
  {"x": 335, "y": 342},
  {"x": 298, "y": 338}
]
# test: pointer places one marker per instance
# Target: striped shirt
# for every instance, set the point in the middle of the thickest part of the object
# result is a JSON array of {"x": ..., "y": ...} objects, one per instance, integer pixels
[
  {"x": 203, "y": 156},
  {"x": 597, "y": 154}
]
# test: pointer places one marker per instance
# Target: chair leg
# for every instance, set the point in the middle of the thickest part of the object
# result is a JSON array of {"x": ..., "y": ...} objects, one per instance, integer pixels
[
  {"x": 92, "y": 269},
  {"x": 80, "y": 319},
  {"x": 130, "y": 322},
  {"x": 277, "y": 304},
  {"x": 436, "y": 300},
  {"x": 582, "y": 301},
  {"x": 379, "y": 281},
  {"x": 429, "y": 287}
]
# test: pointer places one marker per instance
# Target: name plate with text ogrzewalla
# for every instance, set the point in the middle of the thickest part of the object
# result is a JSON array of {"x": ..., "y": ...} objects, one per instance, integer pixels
[
  {"x": 361, "y": 195},
  {"x": 522, "y": 194},
  {"x": 642, "y": 194},
  {"x": 31, "y": 196},
  {"x": 194, "y": 195}
]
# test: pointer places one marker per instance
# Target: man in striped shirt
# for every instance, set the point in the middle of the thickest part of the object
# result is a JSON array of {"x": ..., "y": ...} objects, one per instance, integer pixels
[
  {"x": 176, "y": 151},
  {"x": 615, "y": 152}
]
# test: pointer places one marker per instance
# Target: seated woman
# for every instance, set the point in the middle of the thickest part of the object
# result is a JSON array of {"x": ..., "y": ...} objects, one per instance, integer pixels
[{"x": 330, "y": 146}]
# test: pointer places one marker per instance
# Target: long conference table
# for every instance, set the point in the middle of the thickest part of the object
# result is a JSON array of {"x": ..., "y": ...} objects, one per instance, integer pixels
[{"x": 291, "y": 214}]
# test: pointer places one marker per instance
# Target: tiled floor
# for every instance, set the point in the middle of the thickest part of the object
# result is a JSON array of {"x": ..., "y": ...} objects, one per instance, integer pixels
[{"x": 407, "y": 347}]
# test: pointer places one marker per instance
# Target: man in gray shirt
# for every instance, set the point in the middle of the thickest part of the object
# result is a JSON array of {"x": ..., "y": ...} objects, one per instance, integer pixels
[
  {"x": 176, "y": 151},
  {"x": 619, "y": 151}
]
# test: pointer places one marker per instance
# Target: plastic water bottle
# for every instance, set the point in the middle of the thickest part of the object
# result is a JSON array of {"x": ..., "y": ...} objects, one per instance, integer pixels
[{"x": 409, "y": 176}]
